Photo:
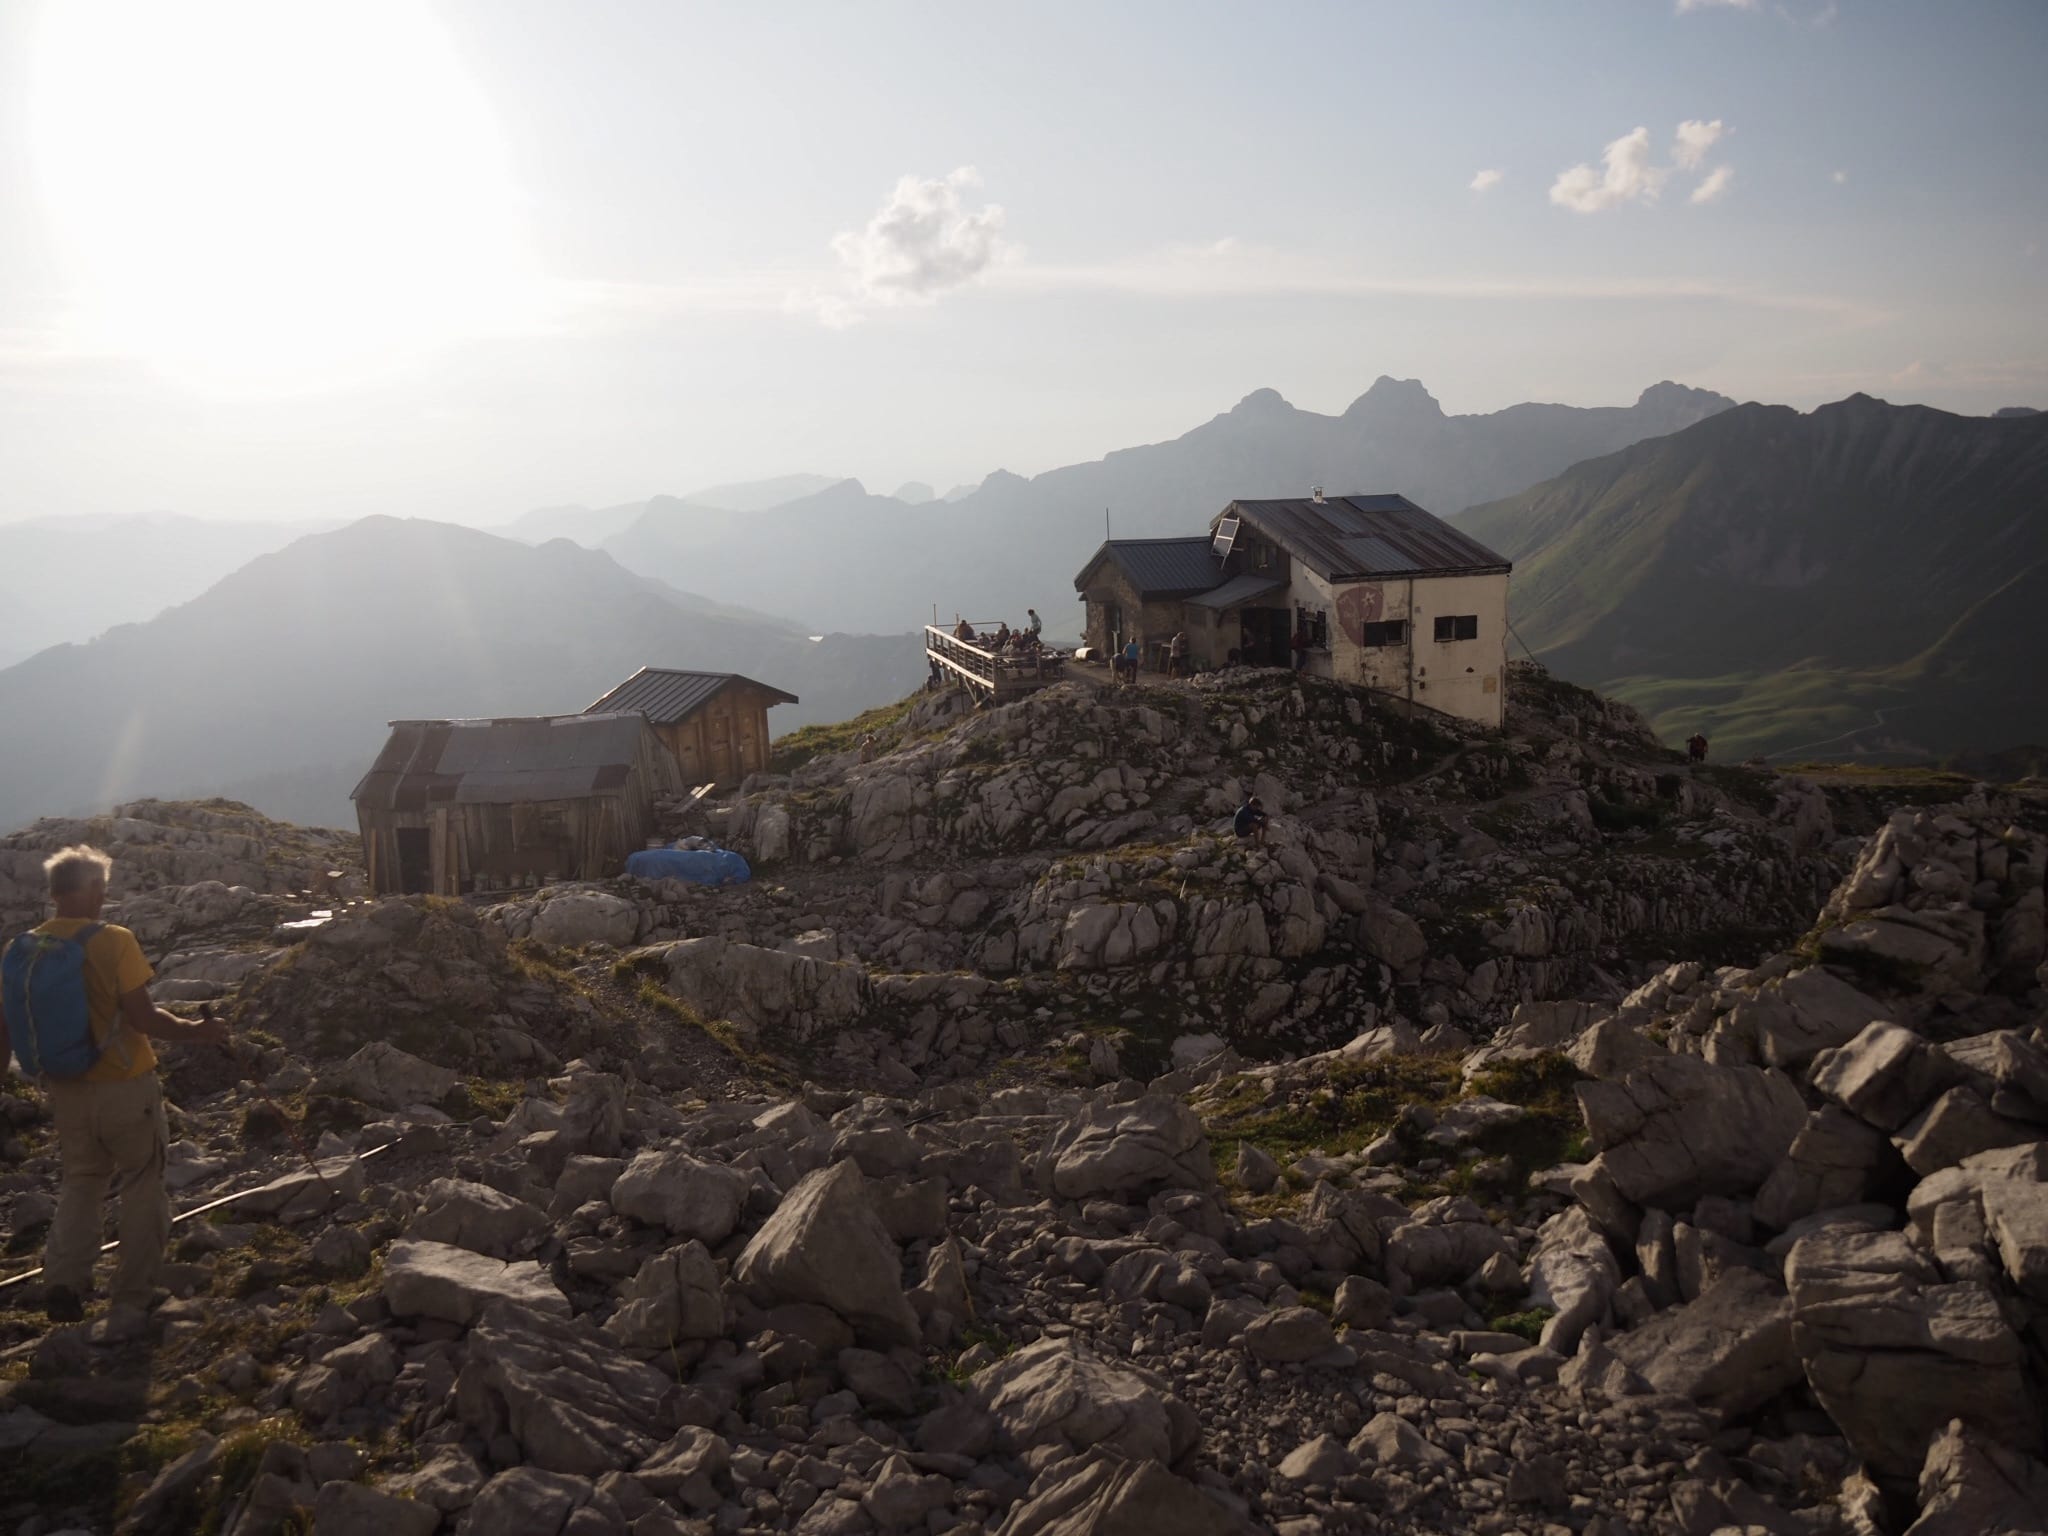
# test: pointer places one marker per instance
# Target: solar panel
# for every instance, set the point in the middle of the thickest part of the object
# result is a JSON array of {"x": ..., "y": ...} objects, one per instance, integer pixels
[{"x": 1226, "y": 535}]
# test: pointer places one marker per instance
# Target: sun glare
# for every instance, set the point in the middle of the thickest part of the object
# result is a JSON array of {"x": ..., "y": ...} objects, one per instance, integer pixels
[{"x": 256, "y": 192}]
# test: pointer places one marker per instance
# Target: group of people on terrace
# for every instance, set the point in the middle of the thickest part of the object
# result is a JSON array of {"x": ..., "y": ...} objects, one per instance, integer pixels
[{"x": 1022, "y": 643}]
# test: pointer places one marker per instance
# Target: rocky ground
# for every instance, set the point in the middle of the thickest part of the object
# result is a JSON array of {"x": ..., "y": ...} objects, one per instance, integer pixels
[{"x": 1535, "y": 1136}]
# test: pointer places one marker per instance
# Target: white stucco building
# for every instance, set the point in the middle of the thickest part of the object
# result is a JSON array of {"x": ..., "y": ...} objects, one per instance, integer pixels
[{"x": 1387, "y": 595}]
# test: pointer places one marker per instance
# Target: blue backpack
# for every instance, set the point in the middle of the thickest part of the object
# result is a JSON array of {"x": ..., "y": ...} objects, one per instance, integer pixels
[{"x": 42, "y": 992}]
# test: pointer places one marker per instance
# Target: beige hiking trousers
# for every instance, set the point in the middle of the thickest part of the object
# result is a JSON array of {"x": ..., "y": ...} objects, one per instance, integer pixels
[{"x": 107, "y": 1131}]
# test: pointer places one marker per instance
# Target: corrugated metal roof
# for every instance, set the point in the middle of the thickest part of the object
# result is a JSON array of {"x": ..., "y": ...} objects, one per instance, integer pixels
[
  {"x": 668, "y": 694},
  {"x": 1238, "y": 591},
  {"x": 1160, "y": 567},
  {"x": 498, "y": 762},
  {"x": 1355, "y": 537}
]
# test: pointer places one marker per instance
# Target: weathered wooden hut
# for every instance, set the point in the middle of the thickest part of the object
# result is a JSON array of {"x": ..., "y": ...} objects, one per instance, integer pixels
[
  {"x": 454, "y": 806},
  {"x": 716, "y": 723}
]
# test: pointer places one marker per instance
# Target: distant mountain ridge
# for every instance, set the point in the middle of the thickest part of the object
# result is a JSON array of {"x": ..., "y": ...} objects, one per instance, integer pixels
[
  {"x": 69, "y": 578},
  {"x": 1864, "y": 577},
  {"x": 843, "y": 558},
  {"x": 277, "y": 682}
]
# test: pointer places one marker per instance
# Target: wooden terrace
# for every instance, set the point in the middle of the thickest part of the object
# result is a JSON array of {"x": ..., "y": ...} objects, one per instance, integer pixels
[{"x": 999, "y": 674}]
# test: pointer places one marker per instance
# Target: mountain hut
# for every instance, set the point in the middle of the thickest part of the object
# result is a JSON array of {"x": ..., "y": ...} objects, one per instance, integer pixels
[
  {"x": 455, "y": 806},
  {"x": 715, "y": 723},
  {"x": 1386, "y": 594}
]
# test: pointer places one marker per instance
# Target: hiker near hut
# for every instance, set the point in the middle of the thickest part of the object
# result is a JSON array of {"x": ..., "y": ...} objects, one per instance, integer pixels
[
  {"x": 1033, "y": 624},
  {"x": 1250, "y": 822},
  {"x": 1177, "y": 654},
  {"x": 1696, "y": 748},
  {"x": 75, "y": 1008}
]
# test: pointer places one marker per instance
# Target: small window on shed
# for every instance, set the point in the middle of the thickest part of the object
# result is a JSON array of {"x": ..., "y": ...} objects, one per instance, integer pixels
[
  {"x": 1387, "y": 632},
  {"x": 1262, "y": 555},
  {"x": 1463, "y": 626}
]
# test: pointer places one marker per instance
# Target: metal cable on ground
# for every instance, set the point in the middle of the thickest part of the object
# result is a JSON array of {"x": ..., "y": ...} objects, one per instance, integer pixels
[{"x": 200, "y": 1210}]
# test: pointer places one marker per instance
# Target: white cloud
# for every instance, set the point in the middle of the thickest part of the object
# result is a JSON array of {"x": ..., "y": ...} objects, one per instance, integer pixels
[
  {"x": 921, "y": 242},
  {"x": 1704, "y": 5},
  {"x": 1715, "y": 184},
  {"x": 1486, "y": 181},
  {"x": 1627, "y": 177},
  {"x": 1628, "y": 174},
  {"x": 1695, "y": 138}
]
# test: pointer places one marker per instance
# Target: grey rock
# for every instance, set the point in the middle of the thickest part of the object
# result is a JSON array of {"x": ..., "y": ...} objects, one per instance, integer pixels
[
  {"x": 1444, "y": 1242},
  {"x": 1056, "y": 1392},
  {"x": 1883, "y": 1076},
  {"x": 437, "y": 1280},
  {"x": 1122, "y": 1150},
  {"x": 350, "y": 1509},
  {"x": 529, "y": 1500},
  {"x": 1319, "y": 1462},
  {"x": 1893, "y": 1352},
  {"x": 1289, "y": 1336},
  {"x": 674, "y": 1297},
  {"x": 383, "y": 1075},
  {"x": 572, "y": 1402},
  {"x": 1103, "y": 1494},
  {"x": 681, "y": 1194},
  {"x": 1360, "y": 1303},
  {"x": 1388, "y": 1440},
  {"x": 1973, "y": 1486},
  {"x": 1572, "y": 1271},
  {"x": 1680, "y": 1127},
  {"x": 1731, "y": 1350},
  {"x": 479, "y": 1218},
  {"x": 826, "y": 1245},
  {"x": 688, "y": 1468},
  {"x": 1957, "y": 1125},
  {"x": 1835, "y": 1160}
]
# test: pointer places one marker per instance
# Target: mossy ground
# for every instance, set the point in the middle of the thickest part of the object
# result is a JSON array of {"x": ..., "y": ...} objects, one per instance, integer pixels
[
  {"x": 791, "y": 752},
  {"x": 1353, "y": 1104}
]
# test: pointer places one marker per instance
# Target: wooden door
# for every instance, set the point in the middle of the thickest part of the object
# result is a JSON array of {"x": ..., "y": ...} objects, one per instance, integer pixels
[
  {"x": 415, "y": 861},
  {"x": 722, "y": 765}
]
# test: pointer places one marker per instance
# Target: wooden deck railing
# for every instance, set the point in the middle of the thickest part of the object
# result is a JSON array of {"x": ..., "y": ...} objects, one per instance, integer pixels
[{"x": 980, "y": 666}]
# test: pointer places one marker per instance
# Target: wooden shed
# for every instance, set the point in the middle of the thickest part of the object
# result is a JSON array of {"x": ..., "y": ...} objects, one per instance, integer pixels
[
  {"x": 716, "y": 723},
  {"x": 454, "y": 806}
]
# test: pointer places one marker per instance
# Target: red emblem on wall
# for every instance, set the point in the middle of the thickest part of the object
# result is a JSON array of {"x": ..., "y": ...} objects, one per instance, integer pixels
[{"x": 1357, "y": 607}]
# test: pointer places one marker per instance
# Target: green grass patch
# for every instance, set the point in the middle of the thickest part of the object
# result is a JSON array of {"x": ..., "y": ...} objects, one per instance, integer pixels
[
  {"x": 788, "y": 753},
  {"x": 1523, "y": 1325}
]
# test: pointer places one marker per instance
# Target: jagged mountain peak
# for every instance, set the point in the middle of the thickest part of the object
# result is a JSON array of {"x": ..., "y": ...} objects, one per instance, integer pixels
[{"x": 1400, "y": 398}]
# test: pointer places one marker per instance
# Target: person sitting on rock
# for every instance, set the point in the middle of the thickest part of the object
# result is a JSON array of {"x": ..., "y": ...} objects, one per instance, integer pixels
[
  {"x": 109, "y": 1118},
  {"x": 1250, "y": 822},
  {"x": 1696, "y": 748}
]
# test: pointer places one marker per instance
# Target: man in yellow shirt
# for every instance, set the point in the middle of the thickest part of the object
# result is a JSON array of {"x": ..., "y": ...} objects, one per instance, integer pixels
[{"x": 110, "y": 1121}]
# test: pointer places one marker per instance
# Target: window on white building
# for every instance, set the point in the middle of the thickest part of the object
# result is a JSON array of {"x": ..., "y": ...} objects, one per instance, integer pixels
[
  {"x": 1387, "y": 632},
  {"x": 1464, "y": 626}
]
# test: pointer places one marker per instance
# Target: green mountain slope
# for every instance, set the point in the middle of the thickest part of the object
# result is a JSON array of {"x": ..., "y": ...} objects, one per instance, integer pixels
[{"x": 1868, "y": 577}]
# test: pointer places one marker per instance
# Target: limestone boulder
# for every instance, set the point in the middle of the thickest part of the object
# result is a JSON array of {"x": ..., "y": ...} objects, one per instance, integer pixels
[
  {"x": 767, "y": 988},
  {"x": 1574, "y": 1273},
  {"x": 572, "y": 1402},
  {"x": 1445, "y": 1242},
  {"x": 575, "y": 917},
  {"x": 1730, "y": 1350},
  {"x": 1126, "y": 1150},
  {"x": 1391, "y": 936},
  {"x": 1836, "y": 1159},
  {"x": 675, "y": 1296},
  {"x": 1058, "y": 1393},
  {"x": 826, "y": 1245},
  {"x": 439, "y": 1280},
  {"x": 383, "y": 1075},
  {"x": 1103, "y": 1494},
  {"x": 682, "y": 1194},
  {"x": 1971, "y": 1485},
  {"x": 1681, "y": 1127},
  {"x": 1883, "y": 1076},
  {"x": 1956, "y": 1126},
  {"x": 1893, "y": 1352},
  {"x": 479, "y": 1218}
]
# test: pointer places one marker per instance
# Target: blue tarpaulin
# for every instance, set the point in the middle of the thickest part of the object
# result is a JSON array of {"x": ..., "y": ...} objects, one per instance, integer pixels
[{"x": 699, "y": 866}]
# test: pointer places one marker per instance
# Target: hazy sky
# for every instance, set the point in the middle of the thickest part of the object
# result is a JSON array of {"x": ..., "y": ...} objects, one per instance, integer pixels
[{"x": 468, "y": 258}]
